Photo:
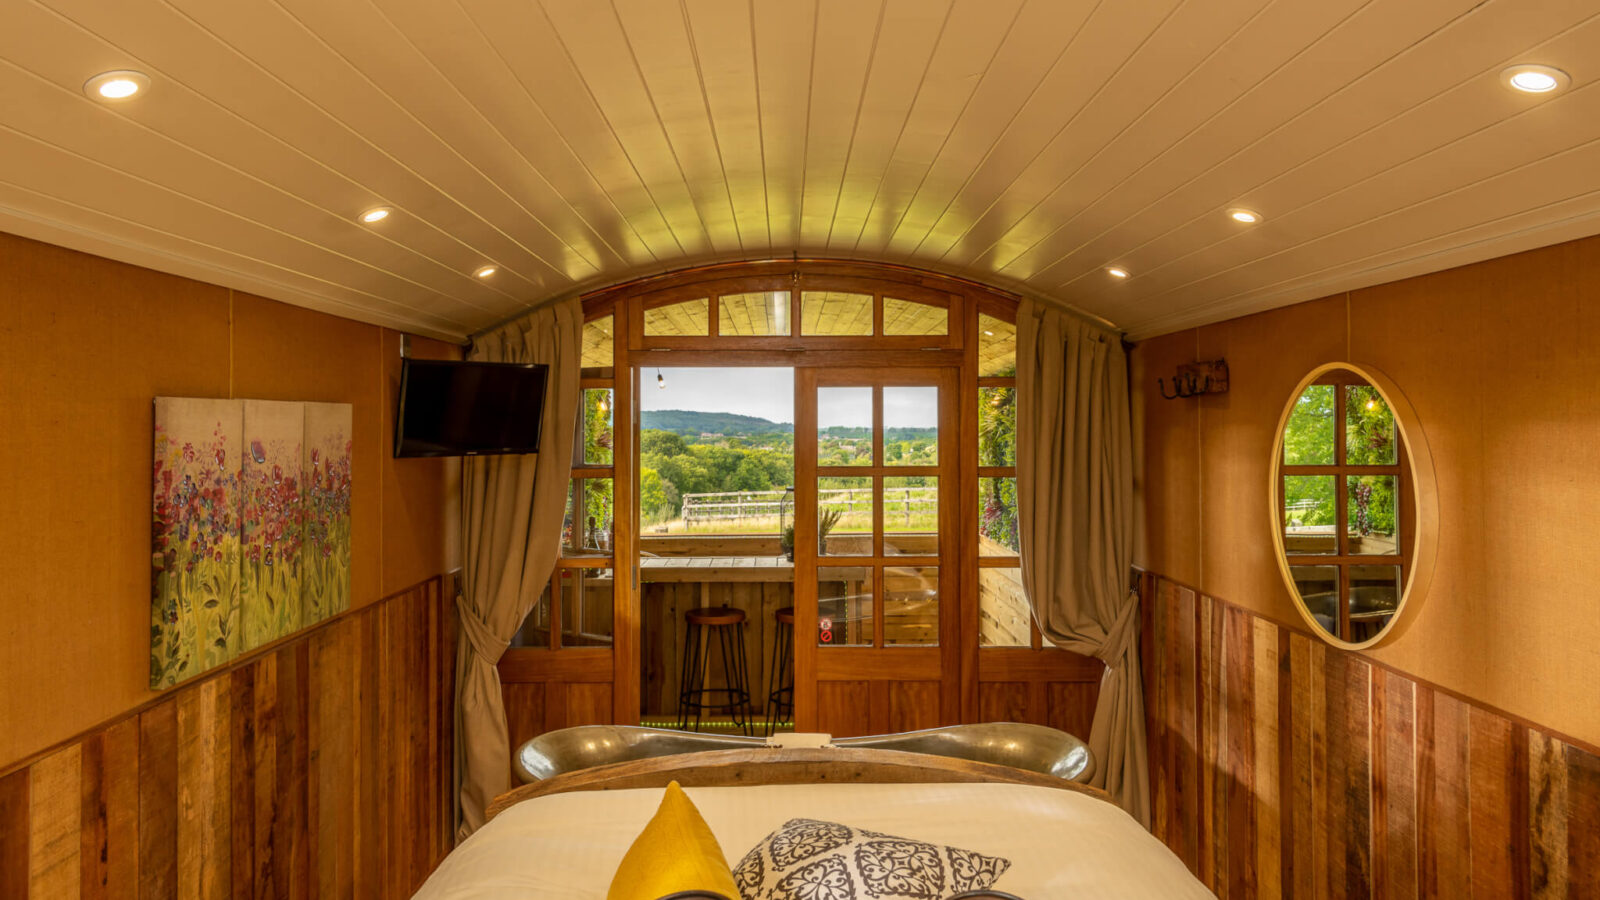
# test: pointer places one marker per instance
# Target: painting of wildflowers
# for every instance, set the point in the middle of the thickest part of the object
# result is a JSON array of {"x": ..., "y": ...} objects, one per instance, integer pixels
[
  {"x": 250, "y": 535},
  {"x": 195, "y": 598},
  {"x": 270, "y": 535},
  {"x": 325, "y": 554}
]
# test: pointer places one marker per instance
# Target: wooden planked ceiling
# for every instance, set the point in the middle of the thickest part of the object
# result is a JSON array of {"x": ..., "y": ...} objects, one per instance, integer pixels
[{"x": 574, "y": 143}]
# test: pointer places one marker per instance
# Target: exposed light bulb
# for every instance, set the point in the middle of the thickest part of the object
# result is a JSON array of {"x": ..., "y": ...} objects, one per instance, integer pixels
[
  {"x": 1372, "y": 404},
  {"x": 661, "y": 381}
]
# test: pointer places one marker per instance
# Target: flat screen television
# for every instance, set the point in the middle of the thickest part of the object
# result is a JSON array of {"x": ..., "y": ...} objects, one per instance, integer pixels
[{"x": 451, "y": 408}]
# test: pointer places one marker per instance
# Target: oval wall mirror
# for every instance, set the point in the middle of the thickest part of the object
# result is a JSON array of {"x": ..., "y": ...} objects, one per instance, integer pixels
[{"x": 1353, "y": 505}]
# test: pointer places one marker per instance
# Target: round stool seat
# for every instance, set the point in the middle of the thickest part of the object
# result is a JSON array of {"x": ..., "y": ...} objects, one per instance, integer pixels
[
  {"x": 714, "y": 616},
  {"x": 785, "y": 615}
]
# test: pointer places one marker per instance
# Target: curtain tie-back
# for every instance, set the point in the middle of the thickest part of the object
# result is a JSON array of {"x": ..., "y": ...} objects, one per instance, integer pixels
[
  {"x": 483, "y": 641},
  {"x": 1121, "y": 635}
]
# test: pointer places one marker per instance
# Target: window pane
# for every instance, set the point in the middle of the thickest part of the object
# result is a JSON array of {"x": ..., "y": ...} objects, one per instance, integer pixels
[
  {"x": 1308, "y": 515},
  {"x": 844, "y": 516},
  {"x": 997, "y": 517},
  {"x": 586, "y": 529},
  {"x": 844, "y": 606},
  {"x": 911, "y": 606},
  {"x": 997, "y": 426},
  {"x": 1308, "y": 435},
  {"x": 844, "y": 426},
  {"x": 595, "y": 438},
  {"x": 997, "y": 348},
  {"x": 688, "y": 318},
  {"x": 911, "y": 426},
  {"x": 753, "y": 315},
  {"x": 1319, "y": 588},
  {"x": 835, "y": 313},
  {"x": 1368, "y": 427},
  {"x": 1370, "y": 513},
  {"x": 1003, "y": 614},
  {"x": 911, "y": 516},
  {"x": 598, "y": 348},
  {"x": 910, "y": 317},
  {"x": 535, "y": 630},
  {"x": 1374, "y": 596},
  {"x": 585, "y": 607}
]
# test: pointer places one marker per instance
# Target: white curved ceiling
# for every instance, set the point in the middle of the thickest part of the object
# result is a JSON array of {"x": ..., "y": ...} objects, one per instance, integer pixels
[{"x": 574, "y": 143}]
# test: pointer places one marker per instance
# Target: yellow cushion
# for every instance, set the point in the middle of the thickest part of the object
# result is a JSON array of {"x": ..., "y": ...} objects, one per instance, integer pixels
[{"x": 675, "y": 852}]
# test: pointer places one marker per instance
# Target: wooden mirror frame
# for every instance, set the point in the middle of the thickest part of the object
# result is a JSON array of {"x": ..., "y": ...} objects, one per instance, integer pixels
[{"x": 1424, "y": 497}]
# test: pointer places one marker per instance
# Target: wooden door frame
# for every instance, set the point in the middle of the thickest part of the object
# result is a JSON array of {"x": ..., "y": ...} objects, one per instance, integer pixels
[{"x": 943, "y": 663}]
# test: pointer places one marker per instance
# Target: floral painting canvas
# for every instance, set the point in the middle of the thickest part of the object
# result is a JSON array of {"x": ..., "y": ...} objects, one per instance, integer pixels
[
  {"x": 274, "y": 438},
  {"x": 195, "y": 598},
  {"x": 251, "y": 527},
  {"x": 325, "y": 556}
]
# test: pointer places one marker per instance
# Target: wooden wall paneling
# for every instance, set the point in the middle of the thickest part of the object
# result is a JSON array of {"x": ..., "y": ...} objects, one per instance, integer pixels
[
  {"x": 1266, "y": 786},
  {"x": 290, "y": 847},
  {"x": 1308, "y": 749},
  {"x": 1443, "y": 822},
  {"x": 1582, "y": 808},
  {"x": 369, "y": 785},
  {"x": 254, "y": 781},
  {"x": 1492, "y": 758},
  {"x": 14, "y": 835},
  {"x": 204, "y": 790},
  {"x": 1182, "y": 715},
  {"x": 332, "y": 733},
  {"x": 263, "y": 873},
  {"x": 109, "y": 799},
  {"x": 55, "y": 807},
  {"x": 1395, "y": 867},
  {"x": 1548, "y": 800},
  {"x": 158, "y": 802},
  {"x": 1236, "y": 750},
  {"x": 1212, "y": 795}
]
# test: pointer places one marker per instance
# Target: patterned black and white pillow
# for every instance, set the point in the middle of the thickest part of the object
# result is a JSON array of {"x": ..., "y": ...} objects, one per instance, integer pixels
[{"x": 811, "y": 860}]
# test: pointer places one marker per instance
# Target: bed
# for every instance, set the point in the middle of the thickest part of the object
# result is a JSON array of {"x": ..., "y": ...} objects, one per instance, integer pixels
[{"x": 563, "y": 837}]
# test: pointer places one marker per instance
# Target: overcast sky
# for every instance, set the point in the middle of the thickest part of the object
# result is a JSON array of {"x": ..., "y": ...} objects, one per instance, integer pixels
[{"x": 769, "y": 394}]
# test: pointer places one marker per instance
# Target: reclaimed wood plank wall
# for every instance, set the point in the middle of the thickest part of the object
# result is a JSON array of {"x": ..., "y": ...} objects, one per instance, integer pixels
[
  {"x": 320, "y": 767},
  {"x": 1281, "y": 766}
]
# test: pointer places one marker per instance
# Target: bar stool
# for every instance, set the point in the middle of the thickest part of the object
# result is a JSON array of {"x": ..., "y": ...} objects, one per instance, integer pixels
[
  {"x": 726, "y": 626},
  {"x": 780, "y": 675}
]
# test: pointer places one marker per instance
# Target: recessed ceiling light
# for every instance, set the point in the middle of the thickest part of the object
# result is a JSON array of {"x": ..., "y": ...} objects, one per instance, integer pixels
[
  {"x": 118, "y": 85},
  {"x": 485, "y": 271},
  {"x": 376, "y": 214},
  {"x": 988, "y": 332},
  {"x": 1247, "y": 216},
  {"x": 1117, "y": 272},
  {"x": 1530, "y": 79}
]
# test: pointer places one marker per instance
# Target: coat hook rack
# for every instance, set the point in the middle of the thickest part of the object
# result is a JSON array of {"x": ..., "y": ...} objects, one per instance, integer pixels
[{"x": 1194, "y": 379}]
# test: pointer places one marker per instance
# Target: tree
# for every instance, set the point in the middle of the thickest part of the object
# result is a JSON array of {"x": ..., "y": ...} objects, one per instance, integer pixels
[
  {"x": 749, "y": 476},
  {"x": 661, "y": 443},
  {"x": 653, "y": 496}
]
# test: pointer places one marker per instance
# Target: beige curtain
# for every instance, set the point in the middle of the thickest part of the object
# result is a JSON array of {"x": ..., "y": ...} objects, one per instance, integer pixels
[
  {"x": 1075, "y": 504},
  {"x": 511, "y": 511}
]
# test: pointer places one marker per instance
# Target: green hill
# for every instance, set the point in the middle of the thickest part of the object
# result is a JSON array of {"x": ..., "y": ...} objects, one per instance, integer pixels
[{"x": 691, "y": 423}]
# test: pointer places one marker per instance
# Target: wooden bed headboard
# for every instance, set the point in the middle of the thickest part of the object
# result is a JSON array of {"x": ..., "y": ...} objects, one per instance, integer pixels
[{"x": 762, "y": 765}]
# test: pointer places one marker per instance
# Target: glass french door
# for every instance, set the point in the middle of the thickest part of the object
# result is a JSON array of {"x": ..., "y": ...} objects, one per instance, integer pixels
[{"x": 877, "y": 562}]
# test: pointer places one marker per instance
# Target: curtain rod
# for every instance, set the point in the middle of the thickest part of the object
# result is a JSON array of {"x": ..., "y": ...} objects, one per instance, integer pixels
[{"x": 642, "y": 280}]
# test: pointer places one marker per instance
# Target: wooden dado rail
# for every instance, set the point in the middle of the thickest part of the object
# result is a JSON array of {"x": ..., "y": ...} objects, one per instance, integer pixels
[
  {"x": 1281, "y": 766},
  {"x": 317, "y": 767}
]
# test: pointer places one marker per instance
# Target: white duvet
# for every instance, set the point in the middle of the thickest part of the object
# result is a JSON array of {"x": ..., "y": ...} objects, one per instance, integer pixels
[{"x": 1062, "y": 844}]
